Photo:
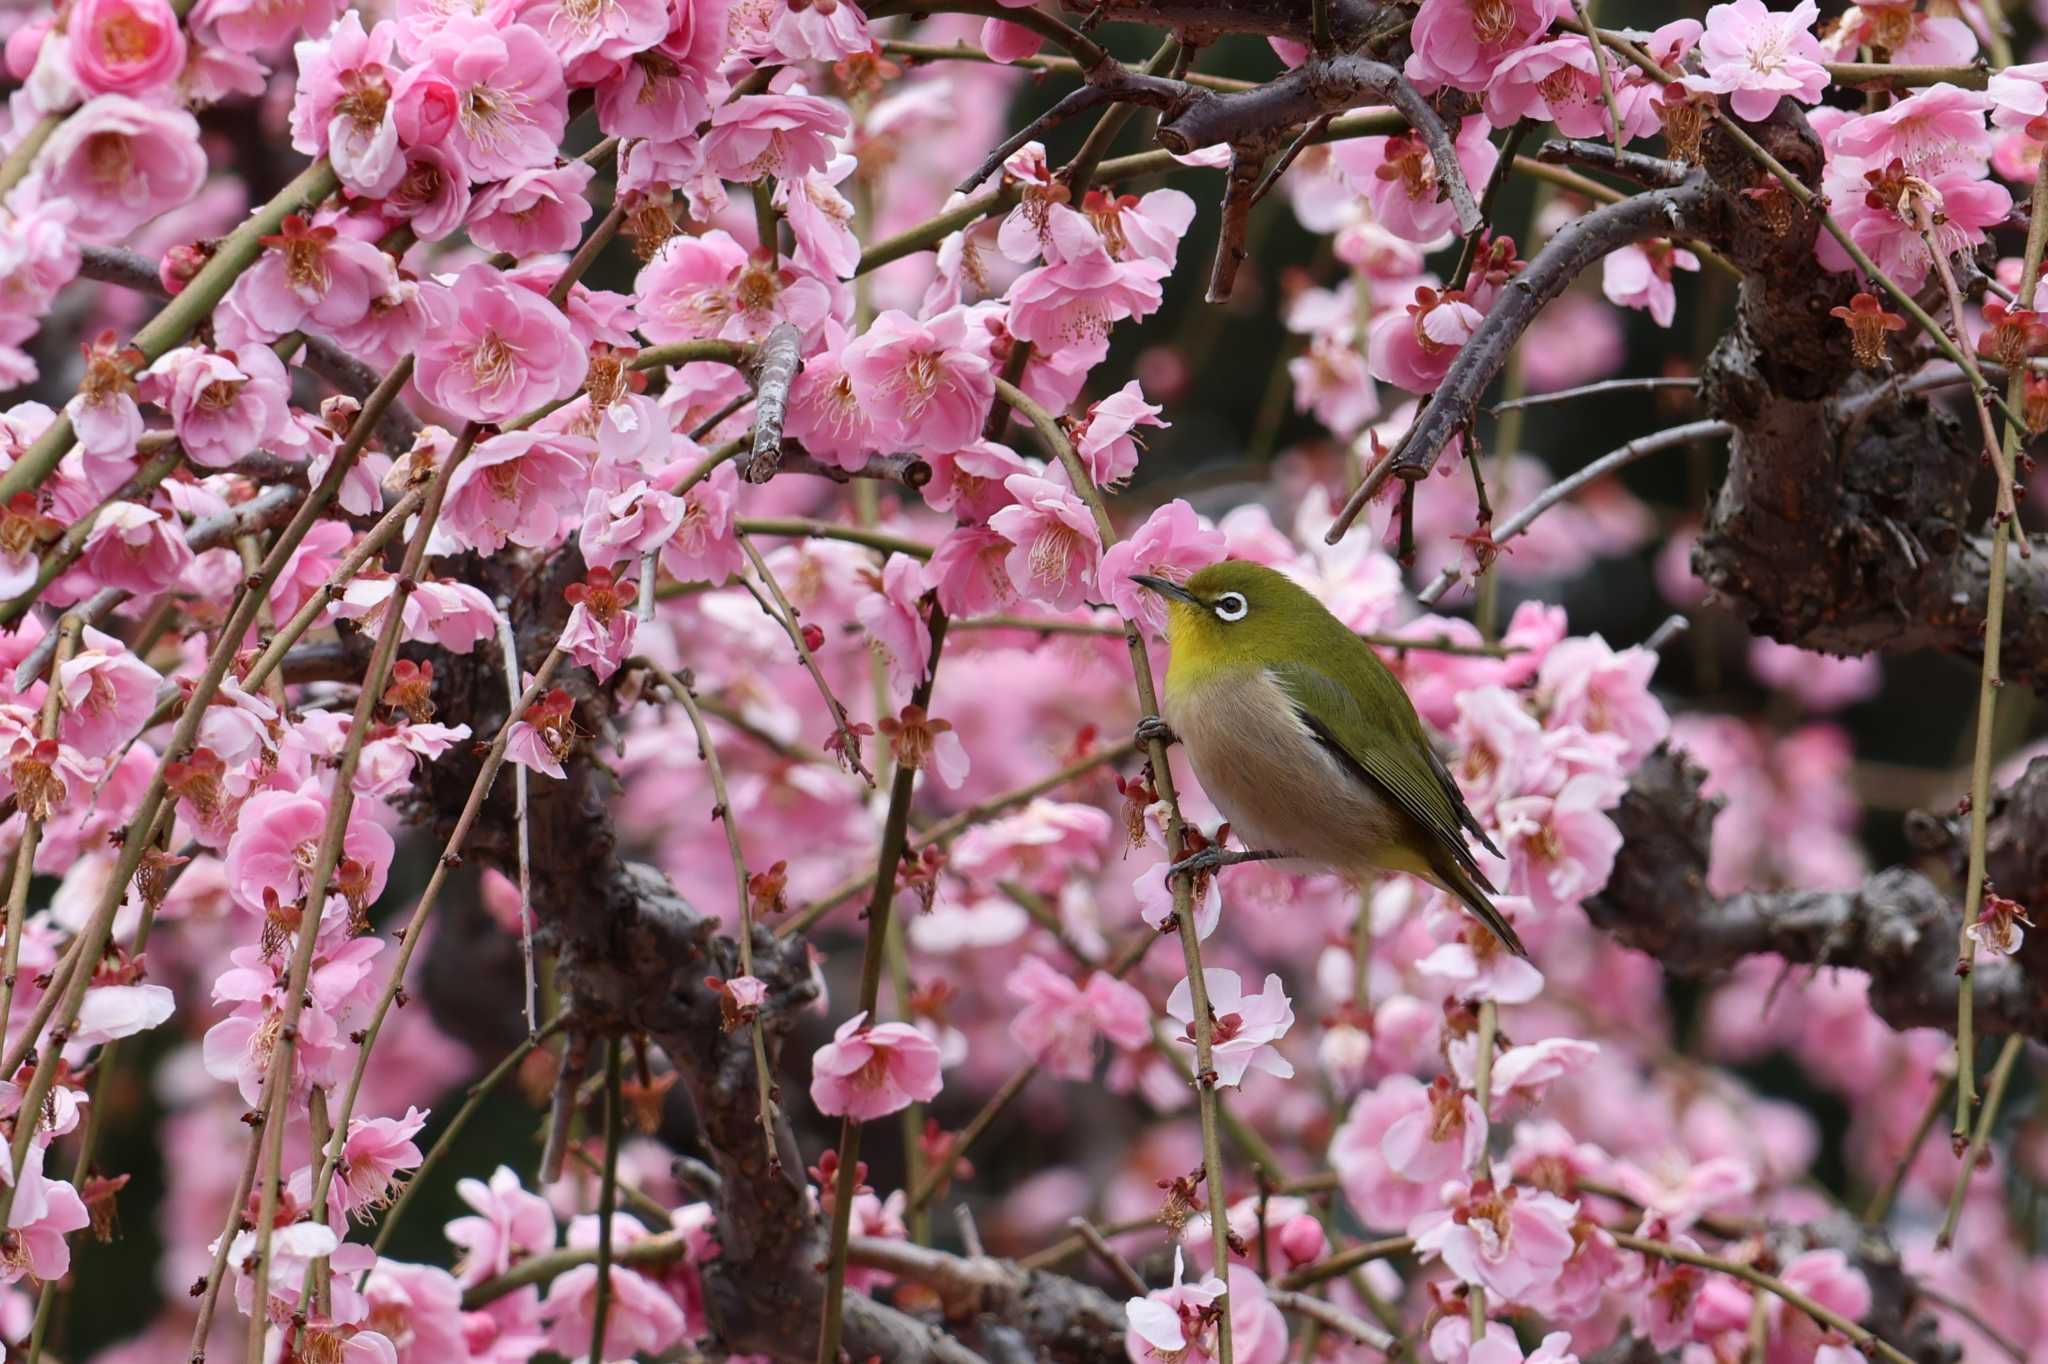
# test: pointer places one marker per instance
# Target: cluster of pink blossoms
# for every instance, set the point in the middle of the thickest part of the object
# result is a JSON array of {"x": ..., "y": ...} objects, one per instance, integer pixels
[{"x": 444, "y": 246}]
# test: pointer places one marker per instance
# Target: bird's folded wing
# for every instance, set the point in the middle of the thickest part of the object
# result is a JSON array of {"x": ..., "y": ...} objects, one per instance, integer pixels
[{"x": 1378, "y": 754}]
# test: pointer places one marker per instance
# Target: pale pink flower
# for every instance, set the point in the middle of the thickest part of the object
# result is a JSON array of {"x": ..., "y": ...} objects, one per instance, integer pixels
[
  {"x": 223, "y": 404},
  {"x": 1054, "y": 542},
  {"x": 1880, "y": 210},
  {"x": 1399, "y": 176},
  {"x": 135, "y": 549},
  {"x": 1827, "y": 1277},
  {"x": 820, "y": 217},
  {"x": 968, "y": 571},
  {"x": 799, "y": 30},
  {"x": 107, "y": 694},
  {"x": 260, "y": 25},
  {"x": 708, "y": 286},
  {"x": 1755, "y": 55},
  {"x": 1451, "y": 1343},
  {"x": 624, "y": 525},
  {"x": 1937, "y": 129},
  {"x": 1559, "y": 81},
  {"x": 1561, "y": 848},
  {"x": 1106, "y": 439},
  {"x": 1509, "y": 1240},
  {"x": 510, "y": 103},
  {"x": 825, "y": 413},
  {"x": 1999, "y": 927},
  {"x": 866, "y": 1072},
  {"x": 785, "y": 136},
  {"x": 675, "y": 83},
  {"x": 1070, "y": 304},
  {"x": 1173, "y": 543},
  {"x": 1488, "y": 973},
  {"x": 642, "y": 1319},
  {"x": 120, "y": 163},
  {"x": 509, "y": 1224},
  {"x": 535, "y": 210},
  {"x": 372, "y": 1156},
  {"x": 1910, "y": 36},
  {"x": 1437, "y": 1137},
  {"x": 1585, "y": 682},
  {"x": 520, "y": 486},
  {"x": 610, "y": 32},
  {"x": 2019, "y": 97},
  {"x": 925, "y": 386},
  {"x": 1381, "y": 1196},
  {"x": 420, "y": 1308},
  {"x": 1180, "y": 1323},
  {"x": 1133, "y": 228},
  {"x": 1059, "y": 1020},
  {"x": 270, "y": 856},
  {"x": 1461, "y": 42},
  {"x": 343, "y": 106},
  {"x": 1246, "y": 1027},
  {"x": 1007, "y": 42},
  {"x": 44, "y": 1212},
  {"x": 114, "y": 1011},
  {"x": 496, "y": 350},
  {"x": 1414, "y": 348},
  {"x": 1639, "y": 276},
  {"x": 1332, "y": 380},
  {"x": 705, "y": 546},
  {"x": 1821, "y": 682},
  {"x": 124, "y": 47},
  {"x": 432, "y": 196},
  {"x": 896, "y": 628},
  {"x": 968, "y": 481},
  {"x": 103, "y": 411},
  {"x": 314, "y": 276}
]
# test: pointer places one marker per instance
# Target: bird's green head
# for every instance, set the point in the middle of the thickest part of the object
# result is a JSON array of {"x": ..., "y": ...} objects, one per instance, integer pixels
[{"x": 1236, "y": 610}]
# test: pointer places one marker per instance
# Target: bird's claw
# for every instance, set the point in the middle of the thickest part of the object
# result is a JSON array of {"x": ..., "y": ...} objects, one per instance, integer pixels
[
  {"x": 1153, "y": 728},
  {"x": 1213, "y": 859}
]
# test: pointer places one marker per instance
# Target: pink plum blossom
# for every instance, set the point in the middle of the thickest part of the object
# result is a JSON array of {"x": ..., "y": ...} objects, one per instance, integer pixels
[
  {"x": 1507, "y": 1239},
  {"x": 270, "y": 858},
  {"x": 223, "y": 404},
  {"x": 1107, "y": 439},
  {"x": 708, "y": 286},
  {"x": 1246, "y": 1027},
  {"x": 497, "y": 350},
  {"x": 343, "y": 106},
  {"x": 1416, "y": 349},
  {"x": 922, "y": 385},
  {"x": 642, "y": 1318},
  {"x": 1639, "y": 276},
  {"x": 1070, "y": 305},
  {"x": 1054, "y": 543},
  {"x": 509, "y": 101},
  {"x": 1755, "y": 56},
  {"x": 1181, "y": 1322},
  {"x": 125, "y": 47},
  {"x": 602, "y": 623},
  {"x": 135, "y": 549},
  {"x": 106, "y": 694},
  {"x": 1059, "y": 1020},
  {"x": 533, "y": 210},
  {"x": 895, "y": 626},
  {"x": 1461, "y": 42},
  {"x": 1173, "y": 543},
  {"x": 520, "y": 487},
  {"x": 1561, "y": 849},
  {"x": 866, "y": 1072},
  {"x": 372, "y": 1156},
  {"x": 784, "y": 136},
  {"x": 1399, "y": 176},
  {"x": 120, "y": 162},
  {"x": 705, "y": 547},
  {"x": 509, "y": 1224}
]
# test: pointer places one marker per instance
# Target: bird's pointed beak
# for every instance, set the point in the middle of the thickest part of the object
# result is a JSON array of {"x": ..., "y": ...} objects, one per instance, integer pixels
[{"x": 1165, "y": 587}]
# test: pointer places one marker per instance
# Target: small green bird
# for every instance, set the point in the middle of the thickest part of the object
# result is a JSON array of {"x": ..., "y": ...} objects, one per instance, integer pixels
[{"x": 1306, "y": 741}]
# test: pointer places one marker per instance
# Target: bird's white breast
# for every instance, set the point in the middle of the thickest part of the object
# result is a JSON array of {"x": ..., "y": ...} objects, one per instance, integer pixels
[{"x": 1271, "y": 777}]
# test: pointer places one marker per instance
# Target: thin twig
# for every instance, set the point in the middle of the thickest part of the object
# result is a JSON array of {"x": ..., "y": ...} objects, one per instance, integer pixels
[
  {"x": 782, "y": 613},
  {"x": 1994, "y": 1096},
  {"x": 1116, "y": 1264},
  {"x": 607, "y": 1200}
]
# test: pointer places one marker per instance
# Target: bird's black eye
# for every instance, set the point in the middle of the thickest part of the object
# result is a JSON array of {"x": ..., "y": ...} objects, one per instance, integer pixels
[{"x": 1231, "y": 606}]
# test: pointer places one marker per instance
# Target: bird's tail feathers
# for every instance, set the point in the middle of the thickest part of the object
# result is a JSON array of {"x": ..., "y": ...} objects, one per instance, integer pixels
[{"x": 1471, "y": 886}]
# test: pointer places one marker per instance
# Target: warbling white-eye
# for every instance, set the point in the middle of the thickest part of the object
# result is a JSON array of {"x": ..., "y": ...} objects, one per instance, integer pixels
[{"x": 1306, "y": 741}]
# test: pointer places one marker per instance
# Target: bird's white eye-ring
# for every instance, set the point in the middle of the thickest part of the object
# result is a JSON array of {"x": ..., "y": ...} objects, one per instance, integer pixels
[{"x": 1230, "y": 606}]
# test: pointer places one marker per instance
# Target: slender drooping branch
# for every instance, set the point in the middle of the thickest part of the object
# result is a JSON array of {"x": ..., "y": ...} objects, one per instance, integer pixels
[{"x": 1577, "y": 245}]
